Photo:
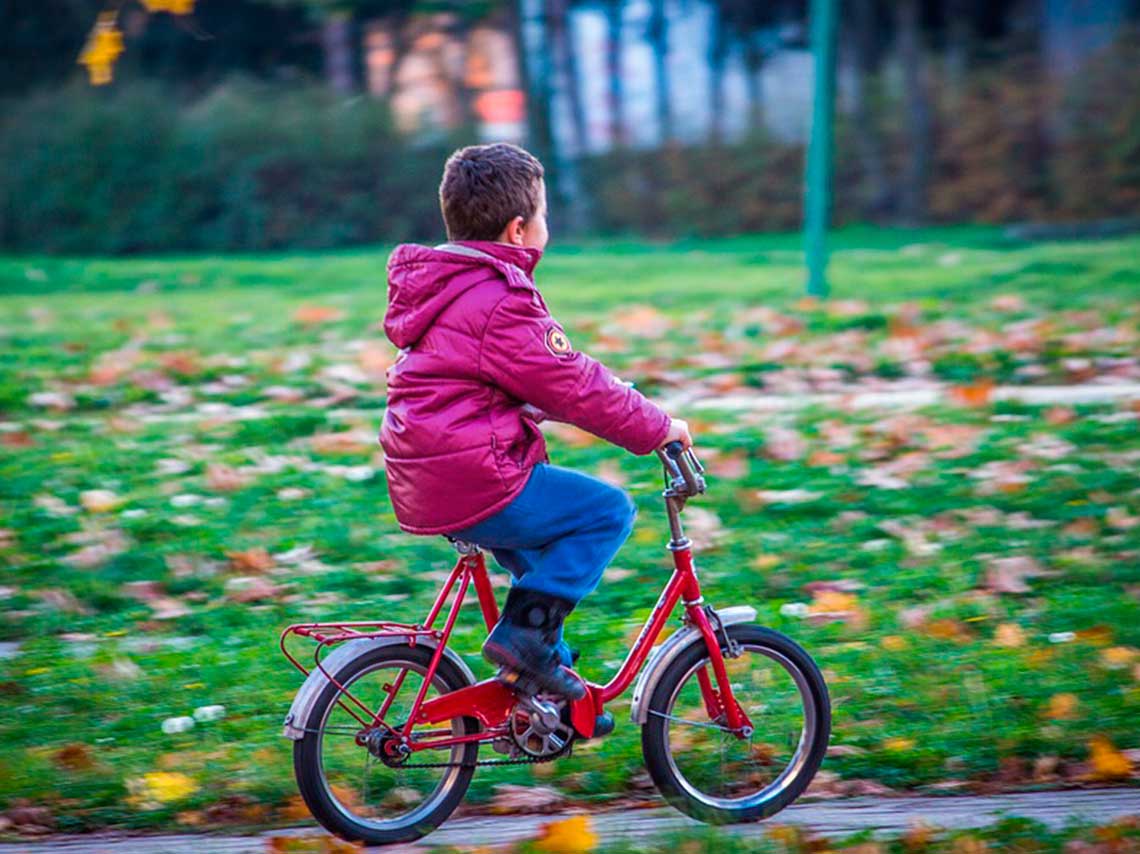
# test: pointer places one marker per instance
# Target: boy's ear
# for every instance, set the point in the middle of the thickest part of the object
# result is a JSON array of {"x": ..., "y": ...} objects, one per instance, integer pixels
[{"x": 513, "y": 233}]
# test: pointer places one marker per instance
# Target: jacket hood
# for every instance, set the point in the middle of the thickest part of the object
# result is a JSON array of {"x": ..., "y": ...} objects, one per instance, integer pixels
[{"x": 423, "y": 281}]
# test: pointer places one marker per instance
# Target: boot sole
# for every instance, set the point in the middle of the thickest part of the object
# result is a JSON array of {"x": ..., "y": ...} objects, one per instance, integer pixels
[{"x": 515, "y": 677}]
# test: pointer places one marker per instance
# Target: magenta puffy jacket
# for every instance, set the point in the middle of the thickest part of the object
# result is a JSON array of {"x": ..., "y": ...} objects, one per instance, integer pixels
[{"x": 477, "y": 344}]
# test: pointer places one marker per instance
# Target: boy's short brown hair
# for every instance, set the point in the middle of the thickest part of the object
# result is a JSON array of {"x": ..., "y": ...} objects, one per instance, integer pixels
[{"x": 484, "y": 187}]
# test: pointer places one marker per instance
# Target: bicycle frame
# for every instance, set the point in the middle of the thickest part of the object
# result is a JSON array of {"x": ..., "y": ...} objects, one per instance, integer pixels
[{"x": 490, "y": 701}]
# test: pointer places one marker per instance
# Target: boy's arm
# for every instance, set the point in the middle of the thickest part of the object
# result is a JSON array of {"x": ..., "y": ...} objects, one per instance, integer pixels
[{"x": 526, "y": 353}]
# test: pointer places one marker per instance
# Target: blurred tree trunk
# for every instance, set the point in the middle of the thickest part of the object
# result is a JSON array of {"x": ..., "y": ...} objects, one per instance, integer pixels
[
  {"x": 959, "y": 46},
  {"x": 614, "y": 10},
  {"x": 864, "y": 85},
  {"x": 718, "y": 53},
  {"x": 337, "y": 44},
  {"x": 535, "y": 86},
  {"x": 401, "y": 47},
  {"x": 566, "y": 60},
  {"x": 916, "y": 99},
  {"x": 753, "y": 65},
  {"x": 453, "y": 66},
  {"x": 659, "y": 41}
]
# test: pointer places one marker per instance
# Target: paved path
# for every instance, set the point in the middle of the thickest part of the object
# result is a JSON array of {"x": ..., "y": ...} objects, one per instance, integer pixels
[{"x": 833, "y": 817}]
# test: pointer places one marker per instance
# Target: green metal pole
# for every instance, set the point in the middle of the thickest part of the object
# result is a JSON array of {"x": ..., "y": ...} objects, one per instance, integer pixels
[{"x": 817, "y": 202}]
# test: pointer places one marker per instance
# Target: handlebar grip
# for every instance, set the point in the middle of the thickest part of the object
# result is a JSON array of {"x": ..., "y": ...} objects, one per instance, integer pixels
[{"x": 683, "y": 463}]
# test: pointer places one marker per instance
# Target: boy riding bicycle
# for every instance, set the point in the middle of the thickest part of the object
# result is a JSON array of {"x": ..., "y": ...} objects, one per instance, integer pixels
[{"x": 481, "y": 363}]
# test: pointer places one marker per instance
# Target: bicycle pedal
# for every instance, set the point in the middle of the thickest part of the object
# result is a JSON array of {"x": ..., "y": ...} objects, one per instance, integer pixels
[{"x": 517, "y": 682}]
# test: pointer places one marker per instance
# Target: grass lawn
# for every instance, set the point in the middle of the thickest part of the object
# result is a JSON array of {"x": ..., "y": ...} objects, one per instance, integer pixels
[{"x": 187, "y": 465}]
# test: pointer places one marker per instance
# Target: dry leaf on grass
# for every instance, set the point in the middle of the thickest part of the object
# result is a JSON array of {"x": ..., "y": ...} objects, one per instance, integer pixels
[
  {"x": 312, "y": 315},
  {"x": 1062, "y": 707},
  {"x": 99, "y": 500},
  {"x": 1108, "y": 763},
  {"x": 221, "y": 478},
  {"x": 574, "y": 835},
  {"x": 1008, "y": 574},
  {"x": 251, "y": 560},
  {"x": 784, "y": 444},
  {"x": 75, "y": 756},
  {"x": 251, "y": 588},
  {"x": 1009, "y": 635}
]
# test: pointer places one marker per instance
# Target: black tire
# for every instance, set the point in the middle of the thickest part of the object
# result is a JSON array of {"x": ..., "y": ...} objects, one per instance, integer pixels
[
  {"x": 809, "y": 752},
  {"x": 308, "y": 767}
]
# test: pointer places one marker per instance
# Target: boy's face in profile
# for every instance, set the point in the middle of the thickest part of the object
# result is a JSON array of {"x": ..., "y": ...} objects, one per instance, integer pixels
[{"x": 533, "y": 233}]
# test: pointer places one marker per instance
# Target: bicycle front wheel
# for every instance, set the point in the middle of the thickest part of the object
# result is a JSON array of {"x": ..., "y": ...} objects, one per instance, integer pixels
[{"x": 713, "y": 774}]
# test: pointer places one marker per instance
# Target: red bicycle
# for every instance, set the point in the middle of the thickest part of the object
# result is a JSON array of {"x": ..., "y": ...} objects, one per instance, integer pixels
[{"x": 387, "y": 726}]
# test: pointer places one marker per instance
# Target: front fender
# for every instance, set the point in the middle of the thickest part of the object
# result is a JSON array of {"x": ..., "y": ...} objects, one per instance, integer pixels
[
  {"x": 662, "y": 656},
  {"x": 316, "y": 682}
]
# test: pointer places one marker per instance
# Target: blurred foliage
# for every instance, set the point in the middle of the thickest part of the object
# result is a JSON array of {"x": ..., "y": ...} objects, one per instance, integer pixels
[
  {"x": 1009, "y": 146},
  {"x": 248, "y": 167},
  {"x": 256, "y": 165}
]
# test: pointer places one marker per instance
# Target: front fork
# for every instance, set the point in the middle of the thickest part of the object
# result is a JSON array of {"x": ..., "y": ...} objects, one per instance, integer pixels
[{"x": 720, "y": 702}]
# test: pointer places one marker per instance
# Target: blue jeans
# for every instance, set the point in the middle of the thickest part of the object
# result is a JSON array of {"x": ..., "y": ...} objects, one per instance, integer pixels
[{"x": 559, "y": 534}]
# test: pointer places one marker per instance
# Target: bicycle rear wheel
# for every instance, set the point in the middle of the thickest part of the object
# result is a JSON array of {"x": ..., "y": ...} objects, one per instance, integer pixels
[
  {"x": 706, "y": 770},
  {"x": 349, "y": 788}
]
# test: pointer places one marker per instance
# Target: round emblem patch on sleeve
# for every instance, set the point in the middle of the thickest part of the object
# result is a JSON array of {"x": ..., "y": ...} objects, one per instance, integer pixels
[{"x": 557, "y": 342}]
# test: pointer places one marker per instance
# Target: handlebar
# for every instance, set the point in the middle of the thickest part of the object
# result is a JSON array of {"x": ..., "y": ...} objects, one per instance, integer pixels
[{"x": 683, "y": 471}]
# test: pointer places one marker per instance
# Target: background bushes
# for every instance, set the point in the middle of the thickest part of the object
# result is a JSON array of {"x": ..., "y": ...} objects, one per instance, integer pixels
[
  {"x": 248, "y": 167},
  {"x": 254, "y": 166}
]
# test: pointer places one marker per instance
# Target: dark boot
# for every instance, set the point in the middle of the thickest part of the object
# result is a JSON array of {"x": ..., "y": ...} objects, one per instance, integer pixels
[
  {"x": 520, "y": 643},
  {"x": 566, "y": 653}
]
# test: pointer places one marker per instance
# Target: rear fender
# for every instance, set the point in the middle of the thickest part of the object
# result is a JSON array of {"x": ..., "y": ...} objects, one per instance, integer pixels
[{"x": 335, "y": 661}]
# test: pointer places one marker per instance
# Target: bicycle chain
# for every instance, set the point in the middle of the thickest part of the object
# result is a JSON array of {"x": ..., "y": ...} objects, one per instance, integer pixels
[{"x": 529, "y": 760}]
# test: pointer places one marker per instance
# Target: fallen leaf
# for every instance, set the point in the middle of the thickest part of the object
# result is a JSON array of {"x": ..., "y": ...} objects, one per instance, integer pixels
[
  {"x": 898, "y": 743},
  {"x": 74, "y": 757},
  {"x": 221, "y": 478},
  {"x": 948, "y": 629},
  {"x": 784, "y": 444},
  {"x": 251, "y": 588},
  {"x": 251, "y": 560},
  {"x": 160, "y": 787},
  {"x": 974, "y": 394},
  {"x": 1118, "y": 657},
  {"x": 312, "y": 315},
  {"x": 574, "y": 835},
  {"x": 99, "y": 500},
  {"x": 1108, "y": 763},
  {"x": 643, "y": 321},
  {"x": 1062, "y": 707},
  {"x": 1009, "y": 635},
  {"x": 1008, "y": 574},
  {"x": 733, "y": 466},
  {"x": 894, "y": 643},
  {"x": 61, "y": 600},
  {"x": 346, "y": 442},
  {"x": 1007, "y": 303}
]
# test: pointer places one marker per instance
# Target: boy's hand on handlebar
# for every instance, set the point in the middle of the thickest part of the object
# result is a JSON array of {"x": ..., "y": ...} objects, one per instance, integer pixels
[{"x": 678, "y": 432}]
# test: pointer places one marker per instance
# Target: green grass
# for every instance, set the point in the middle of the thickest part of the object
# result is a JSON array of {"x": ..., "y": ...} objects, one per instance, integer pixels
[{"x": 166, "y": 367}]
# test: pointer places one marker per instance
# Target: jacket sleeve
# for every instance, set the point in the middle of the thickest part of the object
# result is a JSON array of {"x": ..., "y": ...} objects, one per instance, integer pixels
[{"x": 526, "y": 353}]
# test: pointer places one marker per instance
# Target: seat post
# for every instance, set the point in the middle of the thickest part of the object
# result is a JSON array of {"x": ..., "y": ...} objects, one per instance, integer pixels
[{"x": 464, "y": 547}]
